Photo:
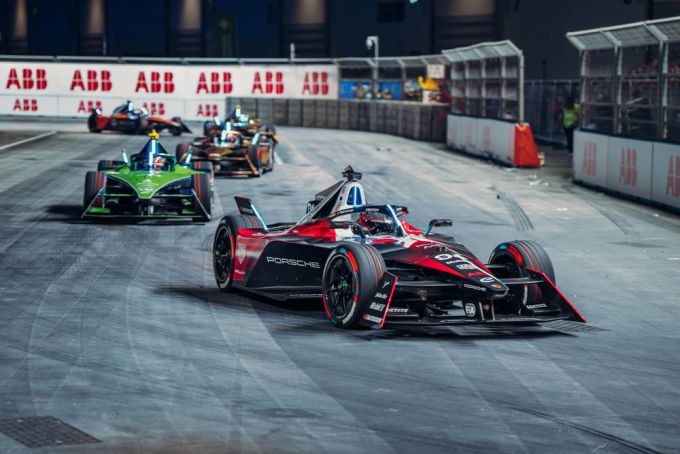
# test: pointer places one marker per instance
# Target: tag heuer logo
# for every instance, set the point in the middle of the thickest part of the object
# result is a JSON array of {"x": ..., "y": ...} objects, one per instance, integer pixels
[{"x": 241, "y": 252}]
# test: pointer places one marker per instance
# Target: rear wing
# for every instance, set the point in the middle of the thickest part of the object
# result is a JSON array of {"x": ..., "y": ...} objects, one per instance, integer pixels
[{"x": 247, "y": 208}]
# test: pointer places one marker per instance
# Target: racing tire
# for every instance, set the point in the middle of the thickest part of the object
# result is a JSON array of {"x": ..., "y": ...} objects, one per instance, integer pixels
[
  {"x": 92, "y": 122},
  {"x": 94, "y": 182},
  {"x": 351, "y": 278},
  {"x": 254, "y": 155},
  {"x": 207, "y": 168},
  {"x": 109, "y": 165},
  {"x": 519, "y": 255},
  {"x": 201, "y": 186},
  {"x": 181, "y": 150},
  {"x": 224, "y": 245}
]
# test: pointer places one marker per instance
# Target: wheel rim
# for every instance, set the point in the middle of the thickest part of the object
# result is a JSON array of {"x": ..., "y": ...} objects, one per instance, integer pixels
[
  {"x": 222, "y": 255},
  {"x": 340, "y": 287}
]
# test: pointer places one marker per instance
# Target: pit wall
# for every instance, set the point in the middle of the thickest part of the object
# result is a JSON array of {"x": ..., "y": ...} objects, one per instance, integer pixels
[
  {"x": 642, "y": 170},
  {"x": 503, "y": 141},
  {"x": 405, "y": 119}
]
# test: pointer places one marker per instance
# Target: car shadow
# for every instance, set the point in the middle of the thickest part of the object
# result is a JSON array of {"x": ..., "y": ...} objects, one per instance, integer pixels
[{"x": 310, "y": 319}]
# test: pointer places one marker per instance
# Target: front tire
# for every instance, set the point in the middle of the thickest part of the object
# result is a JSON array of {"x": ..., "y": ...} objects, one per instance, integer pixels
[
  {"x": 224, "y": 247},
  {"x": 350, "y": 279},
  {"x": 94, "y": 182},
  {"x": 517, "y": 256}
]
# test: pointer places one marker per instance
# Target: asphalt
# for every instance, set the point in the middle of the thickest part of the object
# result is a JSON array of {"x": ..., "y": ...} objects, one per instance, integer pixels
[{"x": 120, "y": 331}]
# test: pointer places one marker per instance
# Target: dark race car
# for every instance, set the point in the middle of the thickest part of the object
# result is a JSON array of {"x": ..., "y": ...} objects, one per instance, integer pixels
[
  {"x": 372, "y": 268},
  {"x": 126, "y": 118},
  {"x": 231, "y": 153},
  {"x": 238, "y": 121}
]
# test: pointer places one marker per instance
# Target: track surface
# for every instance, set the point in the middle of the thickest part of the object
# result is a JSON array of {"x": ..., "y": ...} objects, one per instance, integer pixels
[{"x": 120, "y": 330}]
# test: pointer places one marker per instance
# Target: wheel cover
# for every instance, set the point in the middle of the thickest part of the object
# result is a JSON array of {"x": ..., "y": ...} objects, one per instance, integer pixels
[
  {"x": 222, "y": 255},
  {"x": 340, "y": 287}
]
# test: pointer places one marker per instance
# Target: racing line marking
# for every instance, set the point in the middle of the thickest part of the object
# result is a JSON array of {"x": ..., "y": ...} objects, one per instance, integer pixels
[
  {"x": 30, "y": 139},
  {"x": 277, "y": 158}
]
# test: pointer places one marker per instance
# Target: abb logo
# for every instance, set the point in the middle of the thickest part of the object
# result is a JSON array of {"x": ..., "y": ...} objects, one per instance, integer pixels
[
  {"x": 25, "y": 105},
  {"x": 93, "y": 80},
  {"x": 673, "y": 181},
  {"x": 156, "y": 82},
  {"x": 155, "y": 108},
  {"x": 214, "y": 83},
  {"x": 273, "y": 83},
  {"x": 590, "y": 159},
  {"x": 207, "y": 111},
  {"x": 88, "y": 106},
  {"x": 29, "y": 79},
  {"x": 317, "y": 85},
  {"x": 628, "y": 172}
]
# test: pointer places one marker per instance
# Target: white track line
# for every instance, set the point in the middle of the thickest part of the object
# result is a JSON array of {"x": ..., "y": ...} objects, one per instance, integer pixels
[{"x": 30, "y": 139}]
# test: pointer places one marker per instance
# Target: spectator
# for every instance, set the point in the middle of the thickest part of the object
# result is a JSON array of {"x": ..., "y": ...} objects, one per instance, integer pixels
[{"x": 571, "y": 112}]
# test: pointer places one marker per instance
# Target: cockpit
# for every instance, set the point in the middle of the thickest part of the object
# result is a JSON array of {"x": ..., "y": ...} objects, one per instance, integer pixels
[{"x": 152, "y": 157}]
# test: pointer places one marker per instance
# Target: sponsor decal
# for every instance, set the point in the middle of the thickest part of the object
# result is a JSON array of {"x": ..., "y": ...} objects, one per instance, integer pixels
[
  {"x": 241, "y": 252},
  {"x": 474, "y": 287},
  {"x": 273, "y": 83},
  {"x": 25, "y": 105},
  {"x": 241, "y": 272},
  {"x": 372, "y": 318},
  {"x": 316, "y": 84},
  {"x": 487, "y": 279},
  {"x": 155, "y": 82},
  {"x": 214, "y": 83},
  {"x": 29, "y": 80},
  {"x": 628, "y": 170},
  {"x": 377, "y": 307},
  {"x": 88, "y": 106},
  {"x": 292, "y": 262},
  {"x": 589, "y": 159},
  {"x": 381, "y": 296},
  {"x": 496, "y": 286},
  {"x": 207, "y": 110},
  {"x": 466, "y": 266},
  {"x": 470, "y": 309},
  {"x": 92, "y": 81},
  {"x": 399, "y": 310},
  {"x": 537, "y": 306},
  {"x": 673, "y": 181},
  {"x": 386, "y": 284}
]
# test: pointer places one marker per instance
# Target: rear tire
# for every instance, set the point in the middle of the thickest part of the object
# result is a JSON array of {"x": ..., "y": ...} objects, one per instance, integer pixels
[
  {"x": 201, "y": 185},
  {"x": 94, "y": 182},
  {"x": 350, "y": 279},
  {"x": 224, "y": 247},
  {"x": 519, "y": 255},
  {"x": 181, "y": 151}
]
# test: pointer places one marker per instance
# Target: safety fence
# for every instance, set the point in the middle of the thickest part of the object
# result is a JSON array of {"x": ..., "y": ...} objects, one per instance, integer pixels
[
  {"x": 630, "y": 120},
  {"x": 405, "y": 119}
]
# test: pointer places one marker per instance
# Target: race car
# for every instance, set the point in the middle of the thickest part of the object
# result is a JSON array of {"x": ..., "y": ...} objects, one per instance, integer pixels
[
  {"x": 238, "y": 121},
  {"x": 371, "y": 268},
  {"x": 127, "y": 118},
  {"x": 149, "y": 184},
  {"x": 231, "y": 153}
]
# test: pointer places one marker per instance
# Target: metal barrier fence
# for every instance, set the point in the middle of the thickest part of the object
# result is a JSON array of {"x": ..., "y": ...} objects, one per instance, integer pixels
[
  {"x": 406, "y": 119},
  {"x": 543, "y": 101}
]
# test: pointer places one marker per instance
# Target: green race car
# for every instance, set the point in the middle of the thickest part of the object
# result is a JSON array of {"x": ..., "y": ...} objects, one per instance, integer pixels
[{"x": 149, "y": 184}]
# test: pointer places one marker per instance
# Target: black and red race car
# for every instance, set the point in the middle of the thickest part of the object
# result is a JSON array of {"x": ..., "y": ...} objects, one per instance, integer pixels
[
  {"x": 127, "y": 118},
  {"x": 372, "y": 268}
]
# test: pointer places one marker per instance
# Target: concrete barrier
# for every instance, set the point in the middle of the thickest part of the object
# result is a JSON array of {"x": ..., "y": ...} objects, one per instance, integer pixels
[{"x": 640, "y": 169}]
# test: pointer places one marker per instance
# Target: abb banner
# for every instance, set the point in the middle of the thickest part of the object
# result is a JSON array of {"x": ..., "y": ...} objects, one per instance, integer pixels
[
  {"x": 193, "y": 92},
  {"x": 503, "y": 141},
  {"x": 644, "y": 169}
]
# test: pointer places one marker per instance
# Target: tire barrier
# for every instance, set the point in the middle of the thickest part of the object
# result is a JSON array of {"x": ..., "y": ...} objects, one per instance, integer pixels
[
  {"x": 638, "y": 169},
  {"x": 406, "y": 119},
  {"x": 503, "y": 141}
]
